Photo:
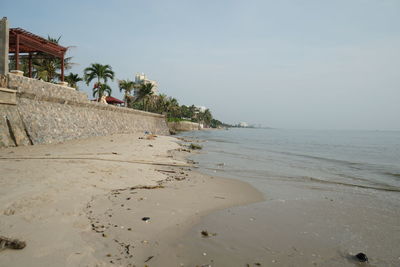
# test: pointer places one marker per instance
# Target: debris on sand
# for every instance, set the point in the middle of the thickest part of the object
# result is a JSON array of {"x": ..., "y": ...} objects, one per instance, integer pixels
[
  {"x": 9, "y": 212},
  {"x": 146, "y": 219},
  {"x": 11, "y": 243},
  {"x": 183, "y": 150},
  {"x": 146, "y": 187},
  {"x": 168, "y": 171},
  {"x": 361, "y": 257},
  {"x": 195, "y": 146},
  {"x": 151, "y": 137},
  {"x": 205, "y": 233},
  {"x": 149, "y": 258}
]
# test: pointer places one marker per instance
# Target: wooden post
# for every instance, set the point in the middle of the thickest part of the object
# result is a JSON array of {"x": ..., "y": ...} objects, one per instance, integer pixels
[
  {"x": 30, "y": 65},
  {"x": 17, "y": 52}
]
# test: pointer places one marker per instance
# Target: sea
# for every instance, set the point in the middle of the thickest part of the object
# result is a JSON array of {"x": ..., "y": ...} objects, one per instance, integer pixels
[
  {"x": 328, "y": 195},
  {"x": 364, "y": 159}
]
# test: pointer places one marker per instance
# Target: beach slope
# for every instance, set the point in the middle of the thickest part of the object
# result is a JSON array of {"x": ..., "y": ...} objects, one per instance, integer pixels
[{"x": 102, "y": 201}]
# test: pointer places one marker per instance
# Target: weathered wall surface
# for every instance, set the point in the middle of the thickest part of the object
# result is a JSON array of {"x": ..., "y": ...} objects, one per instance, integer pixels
[
  {"x": 50, "y": 113},
  {"x": 12, "y": 132},
  {"x": 180, "y": 126}
]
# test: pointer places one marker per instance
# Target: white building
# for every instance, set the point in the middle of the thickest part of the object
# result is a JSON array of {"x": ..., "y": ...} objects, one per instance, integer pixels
[
  {"x": 201, "y": 108},
  {"x": 140, "y": 78},
  {"x": 243, "y": 124}
]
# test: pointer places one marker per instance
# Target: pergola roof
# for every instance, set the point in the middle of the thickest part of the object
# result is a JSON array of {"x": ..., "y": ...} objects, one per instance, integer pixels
[{"x": 30, "y": 43}]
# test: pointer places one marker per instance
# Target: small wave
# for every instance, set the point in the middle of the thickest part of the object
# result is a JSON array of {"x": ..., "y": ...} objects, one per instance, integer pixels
[
  {"x": 221, "y": 141},
  {"x": 351, "y": 163},
  {"x": 397, "y": 175},
  {"x": 387, "y": 188},
  {"x": 215, "y": 169}
]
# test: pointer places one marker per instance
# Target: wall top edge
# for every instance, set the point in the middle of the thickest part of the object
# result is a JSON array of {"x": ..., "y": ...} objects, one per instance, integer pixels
[{"x": 8, "y": 90}]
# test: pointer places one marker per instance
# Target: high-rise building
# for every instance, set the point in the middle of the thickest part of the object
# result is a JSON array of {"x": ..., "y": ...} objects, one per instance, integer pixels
[{"x": 140, "y": 78}]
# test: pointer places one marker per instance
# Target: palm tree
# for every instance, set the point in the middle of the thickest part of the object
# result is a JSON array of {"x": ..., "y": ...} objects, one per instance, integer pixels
[
  {"x": 101, "y": 73},
  {"x": 161, "y": 103},
  {"x": 145, "y": 91},
  {"x": 73, "y": 79},
  {"x": 46, "y": 67},
  {"x": 207, "y": 117},
  {"x": 100, "y": 89},
  {"x": 127, "y": 86},
  {"x": 173, "y": 108}
]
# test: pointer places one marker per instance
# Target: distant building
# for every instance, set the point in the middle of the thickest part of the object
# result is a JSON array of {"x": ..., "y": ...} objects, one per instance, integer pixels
[
  {"x": 140, "y": 78},
  {"x": 201, "y": 108},
  {"x": 243, "y": 124}
]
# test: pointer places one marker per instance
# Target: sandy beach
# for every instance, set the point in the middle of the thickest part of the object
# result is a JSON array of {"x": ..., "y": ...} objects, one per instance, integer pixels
[{"x": 116, "y": 200}]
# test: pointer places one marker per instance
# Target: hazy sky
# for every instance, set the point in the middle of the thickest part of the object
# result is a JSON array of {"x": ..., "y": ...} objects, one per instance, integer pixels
[{"x": 287, "y": 64}]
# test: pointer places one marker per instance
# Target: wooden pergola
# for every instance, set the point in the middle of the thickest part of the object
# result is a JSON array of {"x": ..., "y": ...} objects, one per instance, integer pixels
[{"x": 22, "y": 41}]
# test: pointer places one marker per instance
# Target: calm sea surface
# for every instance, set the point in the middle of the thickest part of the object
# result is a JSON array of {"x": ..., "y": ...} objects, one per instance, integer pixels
[
  {"x": 364, "y": 159},
  {"x": 328, "y": 195}
]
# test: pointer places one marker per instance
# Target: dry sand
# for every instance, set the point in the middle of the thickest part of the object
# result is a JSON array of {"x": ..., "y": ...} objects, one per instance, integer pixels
[{"x": 82, "y": 203}]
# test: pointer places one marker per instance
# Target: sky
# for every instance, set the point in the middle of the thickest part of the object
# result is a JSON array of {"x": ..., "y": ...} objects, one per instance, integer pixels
[{"x": 308, "y": 64}]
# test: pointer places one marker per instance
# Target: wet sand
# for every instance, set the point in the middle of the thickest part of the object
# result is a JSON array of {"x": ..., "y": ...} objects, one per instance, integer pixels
[
  {"x": 299, "y": 224},
  {"x": 85, "y": 202}
]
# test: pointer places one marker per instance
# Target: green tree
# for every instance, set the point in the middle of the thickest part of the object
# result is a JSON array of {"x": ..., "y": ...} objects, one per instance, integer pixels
[
  {"x": 127, "y": 86},
  {"x": 215, "y": 123},
  {"x": 174, "y": 110},
  {"x": 73, "y": 79},
  {"x": 144, "y": 93},
  {"x": 161, "y": 103},
  {"x": 207, "y": 117},
  {"x": 101, "y": 89},
  {"x": 100, "y": 73}
]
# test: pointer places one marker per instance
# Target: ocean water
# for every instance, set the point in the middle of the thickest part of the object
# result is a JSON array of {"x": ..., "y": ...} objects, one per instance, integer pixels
[
  {"x": 328, "y": 195},
  {"x": 364, "y": 159}
]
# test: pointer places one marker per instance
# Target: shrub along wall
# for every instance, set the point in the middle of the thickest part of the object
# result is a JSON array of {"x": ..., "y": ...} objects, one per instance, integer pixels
[{"x": 51, "y": 113}]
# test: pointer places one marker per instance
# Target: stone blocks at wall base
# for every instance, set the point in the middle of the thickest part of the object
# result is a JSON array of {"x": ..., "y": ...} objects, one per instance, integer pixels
[
  {"x": 182, "y": 126},
  {"x": 50, "y": 113}
]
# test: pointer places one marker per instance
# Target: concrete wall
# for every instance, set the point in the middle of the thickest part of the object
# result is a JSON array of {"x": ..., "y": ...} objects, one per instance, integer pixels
[
  {"x": 181, "y": 126},
  {"x": 50, "y": 113},
  {"x": 4, "y": 45}
]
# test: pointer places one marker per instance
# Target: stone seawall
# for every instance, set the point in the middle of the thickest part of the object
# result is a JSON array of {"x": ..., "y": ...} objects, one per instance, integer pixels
[
  {"x": 50, "y": 113},
  {"x": 181, "y": 126}
]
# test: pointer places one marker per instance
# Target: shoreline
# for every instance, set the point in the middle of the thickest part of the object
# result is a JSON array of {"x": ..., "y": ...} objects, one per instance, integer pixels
[
  {"x": 57, "y": 204},
  {"x": 303, "y": 222}
]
